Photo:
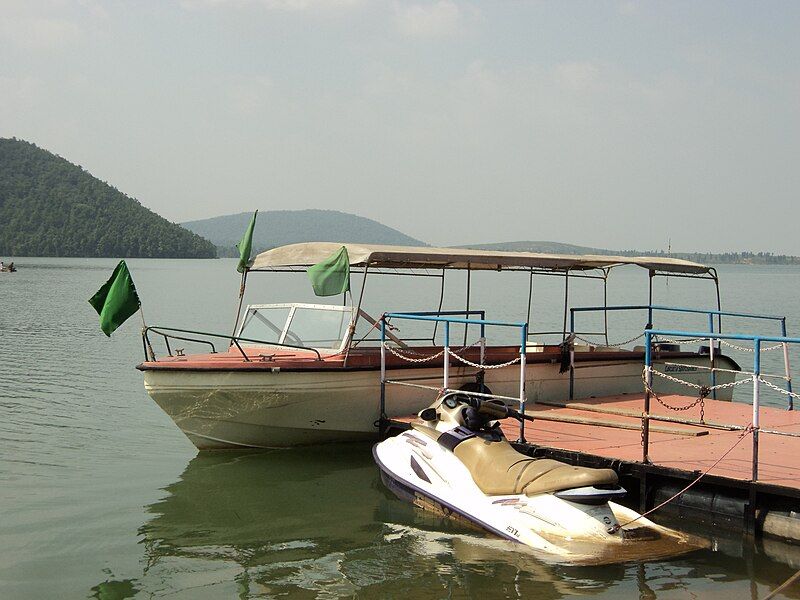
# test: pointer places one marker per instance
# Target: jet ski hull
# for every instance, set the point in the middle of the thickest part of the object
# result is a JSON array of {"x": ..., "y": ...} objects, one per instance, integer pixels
[{"x": 419, "y": 470}]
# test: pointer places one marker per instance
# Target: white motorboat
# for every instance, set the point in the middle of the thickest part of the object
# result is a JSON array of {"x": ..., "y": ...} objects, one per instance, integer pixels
[{"x": 298, "y": 373}]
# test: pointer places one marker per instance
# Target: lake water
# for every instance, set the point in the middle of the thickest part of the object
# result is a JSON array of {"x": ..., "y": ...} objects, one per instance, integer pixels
[{"x": 101, "y": 496}]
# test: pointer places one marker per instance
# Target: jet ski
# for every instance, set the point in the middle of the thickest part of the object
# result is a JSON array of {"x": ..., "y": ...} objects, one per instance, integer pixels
[{"x": 455, "y": 461}]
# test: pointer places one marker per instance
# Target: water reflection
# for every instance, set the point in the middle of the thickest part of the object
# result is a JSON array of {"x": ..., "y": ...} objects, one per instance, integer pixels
[
  {"x": 114, "y": 589},
  {"x": 317, "y": 522}
]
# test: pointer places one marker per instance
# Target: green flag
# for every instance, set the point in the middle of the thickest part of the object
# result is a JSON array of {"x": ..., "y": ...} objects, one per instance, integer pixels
[
  {"x": 246, "y": 245},
  {"x": 116, "y": 300},
  {"x": 332, "y": 275}
]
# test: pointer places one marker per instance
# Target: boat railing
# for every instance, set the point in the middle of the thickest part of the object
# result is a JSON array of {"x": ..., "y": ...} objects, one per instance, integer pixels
[
  {"x": 431, "y": 313},
  {"x": 172, "y": 333},
  {"x": 712, "y": 315},
  {"x": 756, "y": 376},
  {"x": 446, "y": 319},
  {"x": 713, "y": 349}
]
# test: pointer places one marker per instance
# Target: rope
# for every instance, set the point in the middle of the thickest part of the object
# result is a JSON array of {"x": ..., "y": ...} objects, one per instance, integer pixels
[
  {"x": 373, "y": 326},
  {"x": 793, "y": 579},
  {"x": 741, "y": 436}
]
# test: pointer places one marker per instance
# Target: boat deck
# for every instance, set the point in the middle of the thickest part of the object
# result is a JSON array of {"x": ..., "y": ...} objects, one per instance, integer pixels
[{"x": 610, "y": 427}]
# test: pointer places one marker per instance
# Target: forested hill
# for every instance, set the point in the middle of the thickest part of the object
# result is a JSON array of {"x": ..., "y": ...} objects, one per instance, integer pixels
[
  {"x": 50, "y": 207},
  {"x": 279, "y": 227}
]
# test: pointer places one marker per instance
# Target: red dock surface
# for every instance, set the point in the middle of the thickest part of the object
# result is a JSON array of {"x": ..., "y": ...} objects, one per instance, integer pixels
[{"x": 586, "y": 426}]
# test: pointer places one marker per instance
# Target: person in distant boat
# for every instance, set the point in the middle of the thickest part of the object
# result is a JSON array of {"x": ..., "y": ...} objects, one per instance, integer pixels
[
  {"x": 2, "y": 266},
  {"x": 11, "y": 267}
]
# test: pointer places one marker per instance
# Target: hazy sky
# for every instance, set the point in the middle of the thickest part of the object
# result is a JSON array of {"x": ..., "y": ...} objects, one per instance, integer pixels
[{"x": 612, "y": 124}]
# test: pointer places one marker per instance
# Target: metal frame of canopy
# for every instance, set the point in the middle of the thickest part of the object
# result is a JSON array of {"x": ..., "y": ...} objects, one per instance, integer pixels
[{"x": 421, "y": 261}]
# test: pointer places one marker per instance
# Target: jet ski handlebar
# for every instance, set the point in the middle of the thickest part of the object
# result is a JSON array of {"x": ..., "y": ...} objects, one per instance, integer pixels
[{"x": 491, "y": 408}]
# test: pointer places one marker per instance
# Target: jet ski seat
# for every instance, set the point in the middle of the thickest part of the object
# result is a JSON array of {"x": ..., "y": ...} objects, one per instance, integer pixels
[{"x": 499, "y": 469}]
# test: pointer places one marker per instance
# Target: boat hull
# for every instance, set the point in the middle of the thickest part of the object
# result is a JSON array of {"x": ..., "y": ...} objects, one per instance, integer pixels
[{"x": 277, "y": 409}]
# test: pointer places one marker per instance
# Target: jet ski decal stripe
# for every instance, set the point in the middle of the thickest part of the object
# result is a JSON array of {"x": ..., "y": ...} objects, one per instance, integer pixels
[{"x": 415, "y": 466}]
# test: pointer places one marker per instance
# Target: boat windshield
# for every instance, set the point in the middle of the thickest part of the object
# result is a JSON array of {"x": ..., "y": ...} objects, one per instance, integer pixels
[{"x": 319, "y": 326}]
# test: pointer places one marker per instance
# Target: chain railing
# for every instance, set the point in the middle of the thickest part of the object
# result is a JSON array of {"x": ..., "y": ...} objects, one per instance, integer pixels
[
  {"x": 654, "y": 308},
  {"x": 755, "y": 377},
  {"x": 419, "y": 357},
  {"x": 449, "y": 353},
  {"x": 746, "y": 349},
  {"x": 609, "y": 344}
]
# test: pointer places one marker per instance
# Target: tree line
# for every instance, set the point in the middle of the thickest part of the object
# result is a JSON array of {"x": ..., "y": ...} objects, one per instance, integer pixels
[{"x": 51, "y": 207}]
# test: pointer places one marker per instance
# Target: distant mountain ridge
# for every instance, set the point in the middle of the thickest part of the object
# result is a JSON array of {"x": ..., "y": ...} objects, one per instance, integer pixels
[
  {"x": 754, "y": 258},
  {"x": 51, "y": 207},
  {"x": 280, "y": 227}
]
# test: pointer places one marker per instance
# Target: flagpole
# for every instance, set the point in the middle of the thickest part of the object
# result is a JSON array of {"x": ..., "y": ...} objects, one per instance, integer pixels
[
  {"x": 245, "y": 246},
  {"x": 239, "y": 307},
  {"x": 152, "y": 355}
]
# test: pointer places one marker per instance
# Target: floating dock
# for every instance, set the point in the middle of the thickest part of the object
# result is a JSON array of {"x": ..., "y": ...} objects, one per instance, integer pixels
[{"x": 607, "y": 432}]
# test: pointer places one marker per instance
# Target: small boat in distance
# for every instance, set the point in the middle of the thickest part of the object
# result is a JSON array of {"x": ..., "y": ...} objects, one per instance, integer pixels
[
  {"x": 300, "y": 373},
  {"x": 7, "y": 268}
]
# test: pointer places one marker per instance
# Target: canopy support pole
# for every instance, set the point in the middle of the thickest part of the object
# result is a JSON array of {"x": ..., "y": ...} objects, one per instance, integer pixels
[
  {"x": 530, "y": 298},
  {"x": 649, "y": 325},
  {"x": 719, "y": 300},
  {"x": 466, "y": 314},
  {"x": 438, "y": 311},
  {"x": 605, "y": 304},
  {"x": 566, "y": 304},
  {"x": 149, "y": 354},
  {"x": 352, "y": 329},
  {"x": 239, "y": 306}
]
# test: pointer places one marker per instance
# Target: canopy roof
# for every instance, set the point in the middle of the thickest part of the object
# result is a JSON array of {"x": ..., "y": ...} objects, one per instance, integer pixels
[{"x": 423, "y": 257}]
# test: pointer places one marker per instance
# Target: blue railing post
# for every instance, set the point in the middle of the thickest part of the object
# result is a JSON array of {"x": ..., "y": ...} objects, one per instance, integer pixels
[
  {"x": 648, "y": 377},
  {"x": 756, "y": 400},
  {"x": 446, "y": 356},
  {"x": 383, "y": 371}
]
